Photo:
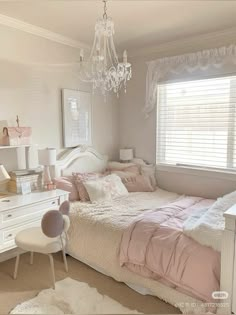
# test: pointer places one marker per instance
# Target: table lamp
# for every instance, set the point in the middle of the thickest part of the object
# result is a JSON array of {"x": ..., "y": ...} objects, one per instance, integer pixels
[
  {"x": 47, "y": 158},
  {"x": 4, "y": 178},
  {"x": 126, "y": 155}
]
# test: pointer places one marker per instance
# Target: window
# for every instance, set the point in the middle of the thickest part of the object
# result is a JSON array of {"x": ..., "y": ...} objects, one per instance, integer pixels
[{"x": 196, "y": 123}]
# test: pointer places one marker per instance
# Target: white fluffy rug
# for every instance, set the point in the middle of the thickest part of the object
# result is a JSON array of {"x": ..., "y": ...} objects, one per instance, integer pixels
[{"x": 71, "y": 297}]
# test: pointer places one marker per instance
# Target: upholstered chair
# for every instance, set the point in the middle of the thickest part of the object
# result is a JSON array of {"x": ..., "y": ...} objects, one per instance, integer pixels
[{"x": 50, "y": 238}]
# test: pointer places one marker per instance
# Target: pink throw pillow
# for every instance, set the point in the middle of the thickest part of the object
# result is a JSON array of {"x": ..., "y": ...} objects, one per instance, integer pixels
[
  {"x": 67, "y": 184},
  {"x": 79, "y": 179},
  {"x": 139, "y": 183}
]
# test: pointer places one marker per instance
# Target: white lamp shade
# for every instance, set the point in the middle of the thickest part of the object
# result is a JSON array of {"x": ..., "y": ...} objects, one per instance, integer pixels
[
  {"x": 4, "y": 176},
  {"x": 47, "y": 157},
  {"x": 126, "y": 154}
]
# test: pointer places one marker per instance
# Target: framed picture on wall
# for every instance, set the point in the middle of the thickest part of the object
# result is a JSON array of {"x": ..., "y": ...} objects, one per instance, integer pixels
[{"x": 77, "y": 115}]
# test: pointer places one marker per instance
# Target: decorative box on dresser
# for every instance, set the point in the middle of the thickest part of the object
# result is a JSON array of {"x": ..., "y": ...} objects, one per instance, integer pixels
[{"x": 18, "y": 212}]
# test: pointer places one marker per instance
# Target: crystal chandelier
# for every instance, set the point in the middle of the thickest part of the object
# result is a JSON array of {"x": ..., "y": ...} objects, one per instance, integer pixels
[{"x": 103, "y": 68}]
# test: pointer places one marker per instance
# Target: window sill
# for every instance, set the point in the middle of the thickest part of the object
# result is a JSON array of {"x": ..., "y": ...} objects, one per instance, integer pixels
[{"x": 194, "y": 171}]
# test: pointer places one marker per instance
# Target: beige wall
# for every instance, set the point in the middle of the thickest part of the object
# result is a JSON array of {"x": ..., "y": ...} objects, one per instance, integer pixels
[
  {"x": 31, "y": 88},
  {"x": 140, "y": 133}
]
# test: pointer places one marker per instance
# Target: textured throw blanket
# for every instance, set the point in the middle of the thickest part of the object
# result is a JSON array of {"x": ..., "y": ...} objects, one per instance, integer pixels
[
  {"x": 207, "y": 226},
  {"x": 155, "y": 247}
]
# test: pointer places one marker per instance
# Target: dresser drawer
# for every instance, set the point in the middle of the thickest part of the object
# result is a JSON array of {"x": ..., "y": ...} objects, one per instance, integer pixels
[
  {"x": 7, "y": 236},
  {"x": 26, "y": 213}
]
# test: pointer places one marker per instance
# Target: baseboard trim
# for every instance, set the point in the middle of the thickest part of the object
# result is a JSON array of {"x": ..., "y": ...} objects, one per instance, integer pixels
[{"x": 12, "y": 253}]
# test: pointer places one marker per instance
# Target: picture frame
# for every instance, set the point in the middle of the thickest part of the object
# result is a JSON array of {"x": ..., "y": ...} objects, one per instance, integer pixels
[{"x": 77, "y": 116}]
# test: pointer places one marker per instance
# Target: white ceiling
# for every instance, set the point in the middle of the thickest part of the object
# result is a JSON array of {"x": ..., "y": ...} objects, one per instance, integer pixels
[{"x": 138, "y": 23}]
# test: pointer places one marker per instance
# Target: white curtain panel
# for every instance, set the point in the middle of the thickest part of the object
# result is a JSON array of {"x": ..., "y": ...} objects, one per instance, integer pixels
[{"x": 161, "y": 70}]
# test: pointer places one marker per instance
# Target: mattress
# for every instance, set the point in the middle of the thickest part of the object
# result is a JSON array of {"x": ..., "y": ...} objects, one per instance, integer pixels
[{"x": 95, "y": 236}]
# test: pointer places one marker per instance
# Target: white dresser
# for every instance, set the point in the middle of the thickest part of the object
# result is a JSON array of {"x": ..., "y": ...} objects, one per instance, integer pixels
[{"x": 19, "y": 212}]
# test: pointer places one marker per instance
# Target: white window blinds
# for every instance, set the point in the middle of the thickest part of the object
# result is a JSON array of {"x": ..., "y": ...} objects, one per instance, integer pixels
[{"x": 196, "y": 123}]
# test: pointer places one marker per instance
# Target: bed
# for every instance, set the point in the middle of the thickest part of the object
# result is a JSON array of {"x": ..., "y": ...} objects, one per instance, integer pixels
[{"x": 96, "y": 232}]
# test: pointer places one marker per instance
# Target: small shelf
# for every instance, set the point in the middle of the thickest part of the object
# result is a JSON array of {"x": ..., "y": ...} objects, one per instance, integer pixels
[
  {"x": 16, "y": 146},
  {"x": 22, "y": 155}
]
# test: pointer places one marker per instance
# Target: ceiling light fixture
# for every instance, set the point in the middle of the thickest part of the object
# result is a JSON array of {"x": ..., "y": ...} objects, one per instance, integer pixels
[{"x": 103, "y": 68}]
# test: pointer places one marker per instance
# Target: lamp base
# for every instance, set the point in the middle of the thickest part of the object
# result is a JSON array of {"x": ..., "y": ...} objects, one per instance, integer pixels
[
  {"x": 47, "y": 181},
  {"x": 46, "y": 175}
]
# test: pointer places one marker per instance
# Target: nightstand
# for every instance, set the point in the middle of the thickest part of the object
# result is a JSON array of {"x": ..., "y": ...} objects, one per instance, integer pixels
[{"x": 19, "y": 212}]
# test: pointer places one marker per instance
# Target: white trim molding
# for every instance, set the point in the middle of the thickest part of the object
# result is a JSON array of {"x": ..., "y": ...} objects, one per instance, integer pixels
[
  {"x": 189, "y": 43},
  {"x": 164, "y": 48},
  {"x": 41, "y": 32},
  {"x": 195, "y": 171}
]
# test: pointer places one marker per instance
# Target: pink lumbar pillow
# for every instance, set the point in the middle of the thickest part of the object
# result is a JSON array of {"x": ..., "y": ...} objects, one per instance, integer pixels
[
  {"x": 79, "y": 179},
  {"x": 139, "y": 183},
  {"x": 123, "y": 175},
  {"x": 137, "y": 167},
  {"x": 67, "y": 183}
]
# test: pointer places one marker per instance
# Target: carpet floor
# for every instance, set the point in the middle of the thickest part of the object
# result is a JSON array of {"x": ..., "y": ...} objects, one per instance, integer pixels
[{"x": 32, "y": 279}]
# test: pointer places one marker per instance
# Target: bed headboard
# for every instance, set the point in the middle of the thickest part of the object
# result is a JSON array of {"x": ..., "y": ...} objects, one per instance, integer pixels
[{"x": 81, "y": 159}]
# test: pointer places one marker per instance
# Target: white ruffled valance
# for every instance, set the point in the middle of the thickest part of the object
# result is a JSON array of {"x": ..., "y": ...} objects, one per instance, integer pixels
[{"x": 159, "y": 69}]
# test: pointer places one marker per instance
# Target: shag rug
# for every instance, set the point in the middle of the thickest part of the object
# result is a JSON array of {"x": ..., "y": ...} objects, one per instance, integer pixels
[{"x": 71, "y": 297}]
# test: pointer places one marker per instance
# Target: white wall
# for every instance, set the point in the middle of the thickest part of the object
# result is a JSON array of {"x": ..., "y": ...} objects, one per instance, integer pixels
[
  {"x": 140, "y": 133},
  {"x": 31, "y": 88}
]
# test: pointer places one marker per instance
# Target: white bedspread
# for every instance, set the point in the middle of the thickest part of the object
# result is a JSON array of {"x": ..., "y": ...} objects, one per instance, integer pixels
[
  {"x": 206, "y": 227},
  {"x": 95, "y": 235},
  {"x": 120, "y": 212}
]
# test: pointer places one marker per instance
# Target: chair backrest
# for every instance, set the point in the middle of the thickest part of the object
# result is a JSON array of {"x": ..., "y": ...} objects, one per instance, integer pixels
[
  {"x": 65, "y": 208},
  {"x": 55, "y": 222}
]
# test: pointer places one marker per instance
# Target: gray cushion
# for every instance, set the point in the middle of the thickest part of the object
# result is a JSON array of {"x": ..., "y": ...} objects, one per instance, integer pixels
[{"x": 52, "y": 223}]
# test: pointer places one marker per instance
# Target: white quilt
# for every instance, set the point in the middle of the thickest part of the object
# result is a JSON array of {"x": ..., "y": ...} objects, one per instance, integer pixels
[{"x": 207, "y": 226}]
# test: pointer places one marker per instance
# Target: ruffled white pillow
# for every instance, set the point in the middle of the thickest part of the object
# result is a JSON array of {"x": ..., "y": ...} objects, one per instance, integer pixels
[{"x": 105, "y": 188}]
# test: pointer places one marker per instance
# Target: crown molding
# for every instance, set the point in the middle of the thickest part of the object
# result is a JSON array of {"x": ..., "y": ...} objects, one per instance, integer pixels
[
  {"x": 194, "y": 42},
  {"x": 41, "y": 32}
]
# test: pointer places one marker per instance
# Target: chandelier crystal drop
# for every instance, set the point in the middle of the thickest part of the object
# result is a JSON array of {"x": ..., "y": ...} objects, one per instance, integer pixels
[{"x": 103, "y": 68}]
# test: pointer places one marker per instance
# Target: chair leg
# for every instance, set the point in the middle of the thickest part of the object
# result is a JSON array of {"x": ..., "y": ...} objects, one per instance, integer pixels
[
  {"x": 64, "y": 254},
  {"x": 16, "y": 266},
  {"x": 31, "y": 258},
  {"x": 52, "y": 269},
  {"x": 64, "y": 259}
]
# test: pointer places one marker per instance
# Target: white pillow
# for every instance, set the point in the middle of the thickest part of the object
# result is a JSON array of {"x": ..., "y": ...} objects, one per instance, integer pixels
[
  {"x": 138, "y": 161},
  {"x": 118, "y": 165},
  {"x": 105, "y": 188}
]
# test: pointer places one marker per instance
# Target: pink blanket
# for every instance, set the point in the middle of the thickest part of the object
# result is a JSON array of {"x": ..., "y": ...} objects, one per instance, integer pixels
[{"x": 155, "y": 247}]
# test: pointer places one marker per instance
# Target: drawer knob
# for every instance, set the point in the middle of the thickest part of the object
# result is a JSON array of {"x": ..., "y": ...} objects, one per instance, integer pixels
[
  {"x": 9, "y": 235},
  {"x": 53, "y": 202},
  {"x": 9, "y": 215}
]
